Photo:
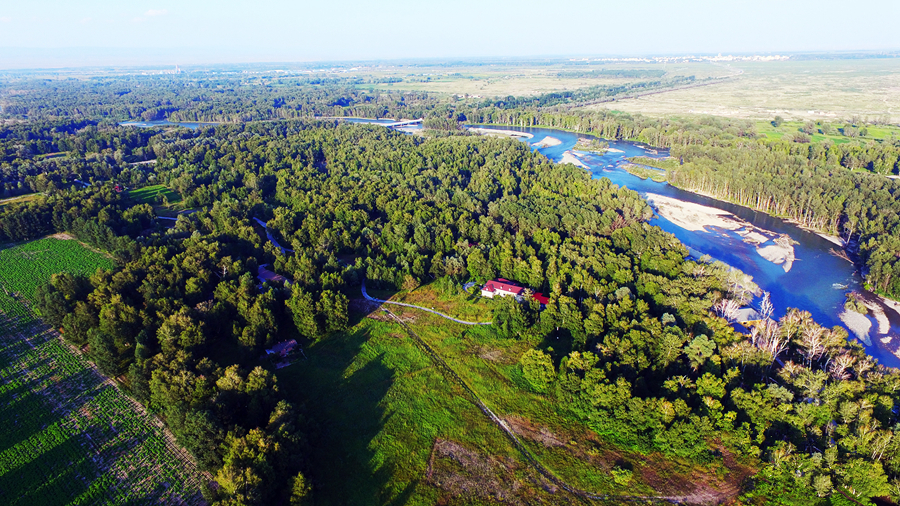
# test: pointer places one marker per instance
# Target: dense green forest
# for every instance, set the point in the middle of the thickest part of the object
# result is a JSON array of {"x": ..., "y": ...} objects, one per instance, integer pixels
[
  {"x": 835, "y": 188},
  {"x": 628, "y": 347}
]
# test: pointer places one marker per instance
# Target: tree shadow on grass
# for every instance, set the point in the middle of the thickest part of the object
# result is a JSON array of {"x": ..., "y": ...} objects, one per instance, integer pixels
[{"x": 343, "y": 390}]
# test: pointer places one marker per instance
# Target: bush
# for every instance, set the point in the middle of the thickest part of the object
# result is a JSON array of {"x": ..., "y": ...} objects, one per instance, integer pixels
[{"x": 538, "y": 370}]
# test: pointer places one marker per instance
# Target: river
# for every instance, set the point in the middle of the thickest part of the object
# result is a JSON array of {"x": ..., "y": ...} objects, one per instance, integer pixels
[
  {"x": 164, "y": 123},
  {"x": 816, "y": 281}
]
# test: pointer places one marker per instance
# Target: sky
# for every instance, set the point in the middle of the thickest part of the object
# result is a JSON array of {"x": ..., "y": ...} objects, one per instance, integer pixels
[{"x": 52, "y": 33}]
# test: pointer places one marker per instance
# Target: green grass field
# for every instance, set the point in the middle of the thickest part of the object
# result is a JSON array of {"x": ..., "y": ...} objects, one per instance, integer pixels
[
  {"x": 876, "y": 133},
  {"x": 67, "y": 434},
  {"x": 390, "y": 428},
  {"x": 21, "y": 198},
  {"x": 148, "y": 194}
]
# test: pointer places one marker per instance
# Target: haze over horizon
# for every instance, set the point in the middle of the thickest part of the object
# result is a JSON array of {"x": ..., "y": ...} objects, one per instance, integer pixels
[{"x": 45, "y": 33}]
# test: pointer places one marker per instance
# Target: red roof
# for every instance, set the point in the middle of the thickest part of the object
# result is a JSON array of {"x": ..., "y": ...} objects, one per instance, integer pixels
[
  {"x": 543, "y": 299},
  {"x": 502, "y": 284}
]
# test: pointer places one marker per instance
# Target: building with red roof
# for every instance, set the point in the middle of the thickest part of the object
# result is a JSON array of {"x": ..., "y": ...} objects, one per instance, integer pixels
[
  {"x": 543, "y": 299},
  {"x": 502, "y": 288}
]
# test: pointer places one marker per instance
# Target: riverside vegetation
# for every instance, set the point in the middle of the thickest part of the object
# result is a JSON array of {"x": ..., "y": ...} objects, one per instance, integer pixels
[{"x": 627, "y": 348}]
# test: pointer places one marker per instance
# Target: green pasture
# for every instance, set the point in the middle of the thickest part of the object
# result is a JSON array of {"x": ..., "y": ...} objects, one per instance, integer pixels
[
  {"x": 379, "y": 407},
  {"x": 875, "y": 133},
  {"x": 148, "y": 194}
]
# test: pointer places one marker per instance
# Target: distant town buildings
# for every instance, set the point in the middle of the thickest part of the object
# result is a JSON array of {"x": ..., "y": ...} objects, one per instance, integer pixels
[{"x": 691, "y": 58}]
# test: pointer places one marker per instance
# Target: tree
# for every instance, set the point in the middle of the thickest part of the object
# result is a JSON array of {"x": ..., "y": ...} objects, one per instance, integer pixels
[
  {"x": 102, "y": 351},
  {"x": 303, "y": 312},
  {"x": 332, "y": 308},
  {"x": 537, "y": 368},
  {"x": 699, "y": 350},
  {"x": 246, "y": 474}
]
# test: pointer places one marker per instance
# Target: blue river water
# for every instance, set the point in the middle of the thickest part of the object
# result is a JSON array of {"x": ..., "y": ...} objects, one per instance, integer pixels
[
  {"x": 164, "y": 123},
  {"x": 817, "y": 281}
]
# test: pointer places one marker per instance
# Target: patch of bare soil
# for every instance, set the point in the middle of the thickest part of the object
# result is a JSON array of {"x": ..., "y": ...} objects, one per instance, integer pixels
[
  {"x": 62, "y": 236},
  {"x": 492, "y": 355},
  {"x": 466, "y": 474},
  {"x": 697, "y": 486},
  {"x": 526, "y": 429}
]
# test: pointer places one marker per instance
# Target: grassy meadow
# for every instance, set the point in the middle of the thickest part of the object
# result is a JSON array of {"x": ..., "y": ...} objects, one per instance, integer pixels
[
  {"x": 387, "y": 426},
  {"x": 149, "y": 194},
  {"x": 524, "y": 79}
]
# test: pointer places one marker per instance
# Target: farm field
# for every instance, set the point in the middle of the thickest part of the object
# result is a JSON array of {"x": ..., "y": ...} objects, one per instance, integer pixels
[
  {"x": 68, "y": 435},
  {"x": 24, "y": 267},
  {"x": 418, "y": 439},
  {"x": 526, "y": 79},
  {"x": 829, "y": 90}
]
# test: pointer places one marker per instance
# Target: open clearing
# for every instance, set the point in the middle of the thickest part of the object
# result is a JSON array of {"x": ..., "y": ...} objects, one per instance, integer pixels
[
  {"x": 828, "y": 90},
  {"x": 528, "y": 78},
  {"x": 416, "y": 438},
  {"x": 148, "y": 194},
  {"x": 69, "y": 435}
]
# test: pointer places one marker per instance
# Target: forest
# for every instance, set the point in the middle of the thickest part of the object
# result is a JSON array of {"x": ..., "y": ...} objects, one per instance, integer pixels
[
  {"x": 835, "y": 188},
  {"x": 638, "y": 354},
  {"x": 647, "y": 365}
]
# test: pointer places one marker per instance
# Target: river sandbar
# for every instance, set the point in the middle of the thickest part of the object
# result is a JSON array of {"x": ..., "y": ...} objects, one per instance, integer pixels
[
  {"x": 547, "y": 142},
  {"x": 693, "y": 217},
  {"x": 858, "y": 324},
  {"x": 696, "y": 218},
  {"x": 569, "y": 157},
  {"x": 500, "y": 133}
]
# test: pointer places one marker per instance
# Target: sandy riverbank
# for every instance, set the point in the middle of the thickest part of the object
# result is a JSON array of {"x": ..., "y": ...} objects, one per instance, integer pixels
[
  {"x": 858, "y": 324},
  {"x": 775, "y": 248},
  {"x": 500, "y": 133},
  {"x": 569, "y": 157},
  {"x": 547, "y": 142},
  {"x": 887, "y": 314},
  {"x": 693, "y": 217}
]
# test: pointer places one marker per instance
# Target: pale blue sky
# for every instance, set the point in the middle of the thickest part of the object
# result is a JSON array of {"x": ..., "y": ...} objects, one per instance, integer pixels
[{"x": 202, "y": 31}]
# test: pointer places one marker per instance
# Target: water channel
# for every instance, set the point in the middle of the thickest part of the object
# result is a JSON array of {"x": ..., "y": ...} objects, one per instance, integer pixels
[{"x": 816, "y": 281}]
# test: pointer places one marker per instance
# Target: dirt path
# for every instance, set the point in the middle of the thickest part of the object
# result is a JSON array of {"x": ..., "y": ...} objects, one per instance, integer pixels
[{"x": 432, "y": 311}]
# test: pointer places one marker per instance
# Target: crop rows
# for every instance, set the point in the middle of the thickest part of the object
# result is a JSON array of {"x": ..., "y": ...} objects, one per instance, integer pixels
[
  {"x": 67, "y": 434},
  {"x": 26, "y": 266}
]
